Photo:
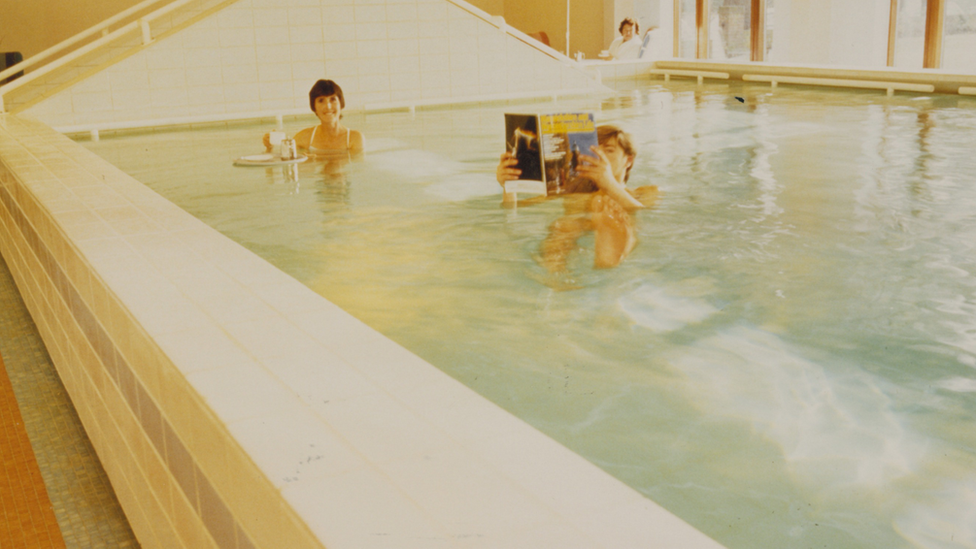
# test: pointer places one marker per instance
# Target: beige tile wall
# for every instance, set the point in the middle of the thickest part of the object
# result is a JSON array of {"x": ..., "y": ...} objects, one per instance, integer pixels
[{"x": 260, "y": 57}]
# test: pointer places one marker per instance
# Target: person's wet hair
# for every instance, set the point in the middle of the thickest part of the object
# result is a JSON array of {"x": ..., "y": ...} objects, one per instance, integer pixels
[
  {"x": 325, "y": 88},
  {"x": 607, "y": 132}
]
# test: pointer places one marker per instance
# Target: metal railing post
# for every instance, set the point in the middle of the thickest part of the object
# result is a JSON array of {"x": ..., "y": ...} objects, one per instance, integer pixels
[{"x": 146, "y": 33}]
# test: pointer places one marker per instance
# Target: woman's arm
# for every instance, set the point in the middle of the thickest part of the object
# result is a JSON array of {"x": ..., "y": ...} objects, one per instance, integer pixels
[{"x": 357, "y": 143}]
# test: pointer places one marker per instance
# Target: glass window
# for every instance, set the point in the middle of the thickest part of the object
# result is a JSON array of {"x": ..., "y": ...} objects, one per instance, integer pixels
[
  {"x": 687, "y": 29},
  {"x": 959, "y": 36},
  {"x": 728, "y": 29},
  {"x": 910, "y": 34},
  {"x": 768, "y": 39}
]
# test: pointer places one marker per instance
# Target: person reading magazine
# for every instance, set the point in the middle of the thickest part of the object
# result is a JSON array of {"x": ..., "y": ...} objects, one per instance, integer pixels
[{"x": 597, "y": 200}]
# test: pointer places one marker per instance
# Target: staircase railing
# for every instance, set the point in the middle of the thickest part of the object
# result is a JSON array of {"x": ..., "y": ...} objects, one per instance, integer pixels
[
  {"x": 499, "y": 22},
  {"x": 63, "y": 54},
  {"x": 64, "y": 45}
]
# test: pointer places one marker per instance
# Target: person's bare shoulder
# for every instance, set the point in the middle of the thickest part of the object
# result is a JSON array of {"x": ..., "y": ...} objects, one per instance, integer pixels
[{"x": 357, "y": 142}]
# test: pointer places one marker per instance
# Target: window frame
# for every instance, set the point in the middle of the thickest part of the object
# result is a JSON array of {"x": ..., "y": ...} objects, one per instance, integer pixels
[{"x": 934, "y": 29}]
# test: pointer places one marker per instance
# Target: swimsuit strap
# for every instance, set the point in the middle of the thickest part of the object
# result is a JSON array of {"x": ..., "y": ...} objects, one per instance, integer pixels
[
  {"x": 312, "y": 139},
  {"x": 347, "y": 138}
]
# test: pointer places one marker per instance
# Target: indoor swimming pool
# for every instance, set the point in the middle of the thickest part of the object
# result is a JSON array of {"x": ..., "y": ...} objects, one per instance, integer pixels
[{"x": 787, "y": 358}]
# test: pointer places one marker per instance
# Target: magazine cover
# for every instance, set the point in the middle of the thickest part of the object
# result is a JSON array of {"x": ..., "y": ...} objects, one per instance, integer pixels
[{"x": 549, "y": 147}]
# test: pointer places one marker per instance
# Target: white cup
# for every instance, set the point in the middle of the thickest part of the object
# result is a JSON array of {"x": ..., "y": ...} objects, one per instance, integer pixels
[{"x": 275, "y": 138}]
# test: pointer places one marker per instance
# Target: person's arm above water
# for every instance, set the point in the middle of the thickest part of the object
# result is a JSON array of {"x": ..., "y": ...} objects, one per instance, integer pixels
[
  {"x": 598, "y": 169},
  {"x": 507, "y": 170},
  {"x": 357, "y": 142}
]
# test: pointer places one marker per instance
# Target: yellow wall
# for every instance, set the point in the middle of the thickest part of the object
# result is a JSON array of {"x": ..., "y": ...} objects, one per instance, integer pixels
[
  {"x": 586, "y": 27},
  {"x": 535, "y": 16},
  {"x": 494, "y": 7},
  {"x": 586, "y": 21},
  {"x": 33, "y": 26}
]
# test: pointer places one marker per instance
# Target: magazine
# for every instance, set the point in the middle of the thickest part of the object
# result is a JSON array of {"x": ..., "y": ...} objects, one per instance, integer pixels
[{"x": 549, "y": 148}]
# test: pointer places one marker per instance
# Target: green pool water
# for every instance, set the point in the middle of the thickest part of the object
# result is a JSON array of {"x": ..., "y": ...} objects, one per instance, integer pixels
[{"x": 788, "y": 357}]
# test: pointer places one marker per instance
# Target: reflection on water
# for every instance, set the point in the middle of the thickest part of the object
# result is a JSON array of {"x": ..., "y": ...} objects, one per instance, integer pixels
[{"x": 788, "y": 357}]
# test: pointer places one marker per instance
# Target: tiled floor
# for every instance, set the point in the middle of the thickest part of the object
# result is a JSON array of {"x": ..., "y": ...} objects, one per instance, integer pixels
[
  {"x": 58, "y": 495},
  {"x": 28, "y": 515}
]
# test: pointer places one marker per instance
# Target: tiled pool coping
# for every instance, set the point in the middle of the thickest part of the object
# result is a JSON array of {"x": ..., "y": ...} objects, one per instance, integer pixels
[{"x": 234, "y": 407}]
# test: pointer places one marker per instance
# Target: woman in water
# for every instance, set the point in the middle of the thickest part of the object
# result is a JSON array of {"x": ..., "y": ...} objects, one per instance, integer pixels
[
  {"x": 330, "y": 136},
  {"x": 596, "y": 201}
]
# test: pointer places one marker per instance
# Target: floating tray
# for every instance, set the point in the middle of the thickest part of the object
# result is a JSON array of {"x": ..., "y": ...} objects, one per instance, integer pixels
[{"x": 267, "y": 159}]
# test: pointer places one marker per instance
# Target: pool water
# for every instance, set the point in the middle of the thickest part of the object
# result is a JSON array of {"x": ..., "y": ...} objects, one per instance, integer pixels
[{"x": 788, "y": 357}]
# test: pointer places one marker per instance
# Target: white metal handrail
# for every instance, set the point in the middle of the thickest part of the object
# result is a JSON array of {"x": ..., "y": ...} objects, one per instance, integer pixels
[
  {"x": 840, "y": 82},
  {"x": 142, "y": 25},
  {"x": 104, "y": 25},
  {"x": 701, "y": 75},
  {"x": 499, "y": 22}
]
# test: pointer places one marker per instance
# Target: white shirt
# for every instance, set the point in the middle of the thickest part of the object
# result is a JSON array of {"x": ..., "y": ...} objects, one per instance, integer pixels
[{"x": 625, "y": 50}]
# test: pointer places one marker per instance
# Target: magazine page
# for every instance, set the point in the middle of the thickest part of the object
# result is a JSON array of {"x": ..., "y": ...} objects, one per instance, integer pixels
[
  {"x": 522, "y": 140},
  {"x": 566, "y": 138}
]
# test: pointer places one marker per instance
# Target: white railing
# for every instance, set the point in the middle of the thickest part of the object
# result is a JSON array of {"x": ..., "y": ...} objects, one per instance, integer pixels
[
  {"x": 57, "y": 48},
  {"x": 701, "y": 75},
  {"x": 891, "y": 87},
  {"x": 499, "y": 22},
  {"x": 142, "y": 25}
]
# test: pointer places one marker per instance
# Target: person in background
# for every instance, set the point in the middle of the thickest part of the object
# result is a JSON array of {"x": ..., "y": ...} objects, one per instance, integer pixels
[
  {"x": 596, "y": 201},
  {"x": 626, "y": 46},
  {"x": 330, "y": 136}
]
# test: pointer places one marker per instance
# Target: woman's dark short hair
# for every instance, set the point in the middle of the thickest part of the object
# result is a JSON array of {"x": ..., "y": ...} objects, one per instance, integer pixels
[
  {"x": 325, "y": 88},
  {"x": 629, "y": 21}
]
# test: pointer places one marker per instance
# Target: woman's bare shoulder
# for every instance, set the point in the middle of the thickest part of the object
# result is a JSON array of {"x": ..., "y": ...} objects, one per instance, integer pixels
[{"x": 356, "y": 140}]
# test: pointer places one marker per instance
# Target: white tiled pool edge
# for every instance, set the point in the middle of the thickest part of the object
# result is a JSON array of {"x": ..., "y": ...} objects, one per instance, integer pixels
[{"x": 234, "y": 407}]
